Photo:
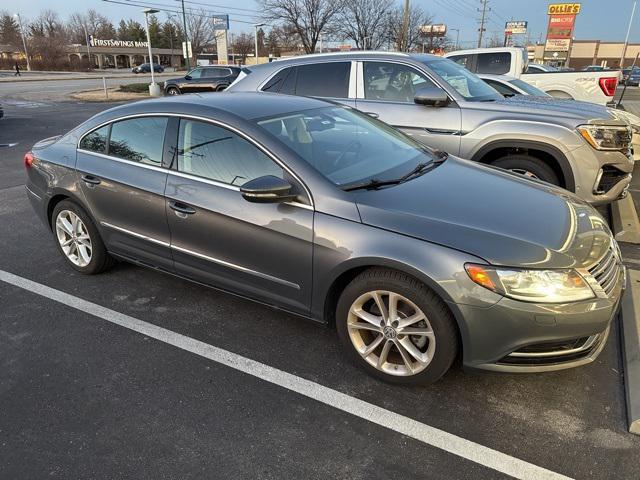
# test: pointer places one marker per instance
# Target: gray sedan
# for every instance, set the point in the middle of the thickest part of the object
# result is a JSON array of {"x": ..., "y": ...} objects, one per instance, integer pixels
[{"x": 416, "y": 257}]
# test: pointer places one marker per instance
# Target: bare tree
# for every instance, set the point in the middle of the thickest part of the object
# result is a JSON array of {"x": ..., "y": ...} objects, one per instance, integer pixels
[
  {"x": 364, "y": 22},
  {"x": 417, "y": 17},
  {"x": 309, "y": 18},
  {"x": 49, "y": 38},
  {"x": 242, "y": 46},
  {"x": 9, "y": 30},
  {"x": 200, "y": 31},
  {"x": 93, "y": 22},
  {"x": 496, "y": 40}
]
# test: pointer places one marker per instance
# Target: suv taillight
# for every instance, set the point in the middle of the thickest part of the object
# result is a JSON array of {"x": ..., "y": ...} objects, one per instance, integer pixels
[
  {"x": 608, "y": 85},
  {"x": 28, "y": 159}
]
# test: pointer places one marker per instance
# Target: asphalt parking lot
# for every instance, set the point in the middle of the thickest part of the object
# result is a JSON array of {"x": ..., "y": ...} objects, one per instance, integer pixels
[{"x": 83, "y": 395}]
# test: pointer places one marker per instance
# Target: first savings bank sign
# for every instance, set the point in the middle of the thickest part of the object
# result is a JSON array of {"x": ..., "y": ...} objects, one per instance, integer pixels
[{"x": 99, "y": 42}]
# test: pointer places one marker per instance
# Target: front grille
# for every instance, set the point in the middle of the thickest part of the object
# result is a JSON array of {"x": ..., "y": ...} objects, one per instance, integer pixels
[
  {"x": 610, "y": 177},
  {"x": 607, "y": 271}
]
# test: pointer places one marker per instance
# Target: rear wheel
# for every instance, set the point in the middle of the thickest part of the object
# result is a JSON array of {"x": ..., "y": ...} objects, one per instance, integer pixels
[
  {"x": 396, "y": 328},
  {"x": 78, "y": 239},
  {"x": 528, "y": 166},
  {"x": 173, "y": 91}
]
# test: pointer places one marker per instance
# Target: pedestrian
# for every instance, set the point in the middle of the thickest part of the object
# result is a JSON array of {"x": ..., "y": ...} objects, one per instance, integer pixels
[{"x": 17, "y": 74}]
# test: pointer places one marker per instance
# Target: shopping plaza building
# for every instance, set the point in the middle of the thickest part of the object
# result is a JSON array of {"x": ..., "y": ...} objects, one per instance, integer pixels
[{"x": 589, "y": 52}]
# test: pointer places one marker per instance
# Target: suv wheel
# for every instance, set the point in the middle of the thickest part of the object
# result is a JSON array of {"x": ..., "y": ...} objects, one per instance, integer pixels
[
  {"x": 396, "y": 328},
  {"x": 78, "y": 239},
  {"x": 528, "y": 166},
  {"x": 173, "y": 91}
]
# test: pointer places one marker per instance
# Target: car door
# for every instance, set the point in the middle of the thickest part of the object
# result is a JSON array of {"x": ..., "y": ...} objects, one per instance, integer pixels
[
  {"x": 260, "y": 250},
  {"x": 386, "y": 90},
  {"x": 122, "y": 179},
  {"x": 189, "y": 83}
]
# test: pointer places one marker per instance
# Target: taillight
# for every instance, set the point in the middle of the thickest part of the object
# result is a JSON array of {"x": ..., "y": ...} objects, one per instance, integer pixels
[
  {"x": 28, "y": 159},
  {"x": 608, "y": 85}
]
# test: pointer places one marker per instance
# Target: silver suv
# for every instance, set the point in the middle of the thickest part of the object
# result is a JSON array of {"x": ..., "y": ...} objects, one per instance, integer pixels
[{"x": 576, "y": 145}]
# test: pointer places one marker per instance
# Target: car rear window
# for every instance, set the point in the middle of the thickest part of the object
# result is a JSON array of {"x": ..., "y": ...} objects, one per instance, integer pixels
[
  {"x": 138, "y": 139},
  {"x": 324, "y": 80},
  {"x": 497, "y": 63}
]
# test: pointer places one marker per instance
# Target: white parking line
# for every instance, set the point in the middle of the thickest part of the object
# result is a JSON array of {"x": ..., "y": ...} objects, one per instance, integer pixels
[{"x": 393, "y": 421}]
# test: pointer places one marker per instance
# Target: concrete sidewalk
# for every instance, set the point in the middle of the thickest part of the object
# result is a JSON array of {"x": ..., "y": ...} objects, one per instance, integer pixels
[{"x": 83, "y": 76}]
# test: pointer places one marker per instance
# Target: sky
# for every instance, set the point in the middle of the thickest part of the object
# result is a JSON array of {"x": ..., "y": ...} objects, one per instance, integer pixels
[{"x": 605, "y": 20}]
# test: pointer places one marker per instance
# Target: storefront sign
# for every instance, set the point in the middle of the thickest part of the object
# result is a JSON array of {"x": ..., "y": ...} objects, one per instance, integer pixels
[
  {"x": 99, "y": 42},
  {"x": 557, "y": 45},
  {"x": 437, "y": 30},
  {"x": 515, "y": 28},
  {"x": 220, "y": 22},
  {"x": 566, "y": 8},
  {"x": 561, "y": 26}
]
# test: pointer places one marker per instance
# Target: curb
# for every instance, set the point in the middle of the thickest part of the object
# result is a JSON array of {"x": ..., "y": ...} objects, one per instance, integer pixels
[
  {"x": 84, "y": 77},
  {"x": 631, "y": 345},
  {"x": 626, "y": 225}
]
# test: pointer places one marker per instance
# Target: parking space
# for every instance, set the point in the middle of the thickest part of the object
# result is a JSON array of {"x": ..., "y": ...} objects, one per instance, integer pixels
[{"x": 85, "y": 398}]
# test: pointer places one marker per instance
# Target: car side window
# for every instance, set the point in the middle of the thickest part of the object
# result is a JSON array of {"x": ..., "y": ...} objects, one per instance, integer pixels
[
  {"x": 215, "y": 153},
  {"x": 324, "y": 80},
  {"x": 215, "y": 72},
  {"x": 275, "y": 83},
  {"x": 392, "y": 81},
  {"x": 138, "y": 139},
  {"x": 501, "y": 88},
  {"x": 195, "y": 73},
  {"x": 464, "y": 60},
  {"x": 494, "y": 63},
  {"x": 96, "y": 141}
]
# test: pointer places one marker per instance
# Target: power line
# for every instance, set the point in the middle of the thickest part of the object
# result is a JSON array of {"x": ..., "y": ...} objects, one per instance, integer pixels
[
  {"x": 219, "y": 6},
  {"x": 193, "y": 10}
]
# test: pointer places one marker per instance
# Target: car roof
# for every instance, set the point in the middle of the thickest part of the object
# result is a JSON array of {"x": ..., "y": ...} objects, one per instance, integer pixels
[
  {"x": 314, "y": 57},
  {"x": 243, "y": 105}
]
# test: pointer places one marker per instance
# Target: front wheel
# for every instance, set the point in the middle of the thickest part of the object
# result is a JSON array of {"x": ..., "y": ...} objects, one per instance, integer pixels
[
  {"x": 173, "y": 91},
  {"x": 396, "y": 328},
  {"x": 528, "y": 166}
]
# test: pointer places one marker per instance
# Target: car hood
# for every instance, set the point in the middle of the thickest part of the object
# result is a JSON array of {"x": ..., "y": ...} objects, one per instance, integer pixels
[
  {"x": 499, "y": 216},
  {"x": 550, "y": 107}
]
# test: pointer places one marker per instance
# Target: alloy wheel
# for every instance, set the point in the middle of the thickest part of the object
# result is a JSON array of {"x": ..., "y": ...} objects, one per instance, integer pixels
[
  {"x": 526, "y": 173},
  {"x": 391, "y": 333},
  {"x": 73, "y": 238}
]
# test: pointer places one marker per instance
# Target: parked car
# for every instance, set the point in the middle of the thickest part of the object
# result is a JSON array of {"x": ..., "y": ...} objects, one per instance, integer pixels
[
  {"x": 146, "y": 68},
  {"x": 594, "y": 68},
  {"x": 595, "y": 87},
  {"x": 509, "y": 86},
  {"x": 631, "y": 76},
  {"x": 202, "y": 79},
  {"x": 443, "y": 105},
  {"x": 315, "y": 208},
  {"x": 540, "y": 68}
]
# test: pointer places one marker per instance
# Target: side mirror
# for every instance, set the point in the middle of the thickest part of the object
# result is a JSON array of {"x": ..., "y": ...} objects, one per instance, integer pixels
[
  {"x": 267, "y": 189},
  {"x": 431, "y": 96},
  {"x": 187, "y": 77}
]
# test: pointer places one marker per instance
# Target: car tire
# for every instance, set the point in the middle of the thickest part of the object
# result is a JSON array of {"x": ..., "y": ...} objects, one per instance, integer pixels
[
  {"x": 75, "y": 253},
  {"x": 528, "y": 166},
  {"x": 173, "y": 91},
  {"x": 437, "y": 349}
]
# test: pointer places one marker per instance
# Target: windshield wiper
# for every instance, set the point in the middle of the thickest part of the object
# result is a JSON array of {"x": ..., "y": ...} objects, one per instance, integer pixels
[{"x": 438, "y": 157}]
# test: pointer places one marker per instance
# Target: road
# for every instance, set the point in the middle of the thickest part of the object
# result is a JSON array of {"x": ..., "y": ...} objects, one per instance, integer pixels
[{"x": 83, "y": 397}]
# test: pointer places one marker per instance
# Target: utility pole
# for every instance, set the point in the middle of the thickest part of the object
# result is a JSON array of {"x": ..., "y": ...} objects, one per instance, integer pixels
[
  {"x": 24, "y": 42},
  {"x": 186, "y": 36},
  {"x": 626, "y": 40},
  {"x": 482, "y": 21},
  {"x": 404, "y": 43}
]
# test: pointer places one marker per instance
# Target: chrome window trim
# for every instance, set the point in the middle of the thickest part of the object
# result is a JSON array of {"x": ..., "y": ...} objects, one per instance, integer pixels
[
  {"x": 203, "y": 119},
  {"x": 125, "y": 161},
  {"x": 201, "y": 255}
]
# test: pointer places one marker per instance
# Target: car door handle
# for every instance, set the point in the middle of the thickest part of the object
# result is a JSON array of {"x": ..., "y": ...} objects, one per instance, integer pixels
[
  {"x": 90, "y": 180},
  {"x": 181, "y": 208}
]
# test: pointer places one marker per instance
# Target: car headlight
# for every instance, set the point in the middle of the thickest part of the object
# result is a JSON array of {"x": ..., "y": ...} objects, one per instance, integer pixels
[
  {"x": 606, "y": 137},
  {"x": 540, "y": 286}
]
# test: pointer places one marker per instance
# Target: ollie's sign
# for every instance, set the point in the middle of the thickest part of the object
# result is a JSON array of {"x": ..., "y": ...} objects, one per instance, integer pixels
[
  {"x": 563, "y": 8},
  {"x": 562, "y": 20}
]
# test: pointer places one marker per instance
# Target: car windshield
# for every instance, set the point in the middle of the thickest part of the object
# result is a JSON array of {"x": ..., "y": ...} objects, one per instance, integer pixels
[
  {"x": 467, "y": 84},
  {"x": 346, "y": 146},
  {"x": 528, "y": 88}
]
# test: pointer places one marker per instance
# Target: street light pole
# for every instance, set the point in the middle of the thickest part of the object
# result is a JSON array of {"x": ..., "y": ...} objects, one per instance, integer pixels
[
  {"x": 256, "y": 26},
  {"x": 626, "y": 40},
  {"x": 154, "y": 89},
  {"x": 24, "y": 42},
  {"x": 86, "y": 38},
  {"x": 457, "y": 30},
  {"x": 186, "y": 36}
]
